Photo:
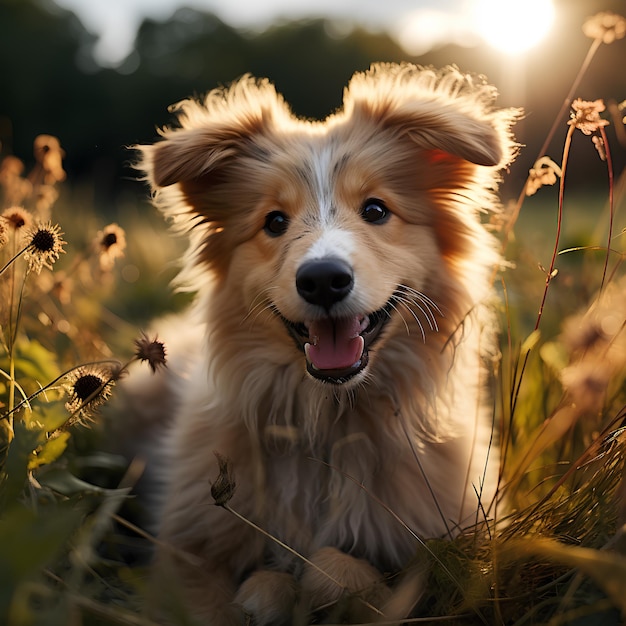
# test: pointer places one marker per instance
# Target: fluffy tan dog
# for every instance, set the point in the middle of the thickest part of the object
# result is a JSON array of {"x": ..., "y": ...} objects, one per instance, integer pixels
[{"x": 334, "y": 356}]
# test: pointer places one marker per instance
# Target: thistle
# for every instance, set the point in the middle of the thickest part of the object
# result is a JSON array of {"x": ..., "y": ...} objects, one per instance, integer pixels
[
  {"x": 88, "y": 388},
  {"x": 43, "y": 246},
  {"x": 151, "y": 350},
  {"x": 110, "y": 244}
]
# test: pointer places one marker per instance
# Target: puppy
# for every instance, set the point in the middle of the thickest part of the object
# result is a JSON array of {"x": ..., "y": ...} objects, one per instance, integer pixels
[{"x": 334, "y": 357}]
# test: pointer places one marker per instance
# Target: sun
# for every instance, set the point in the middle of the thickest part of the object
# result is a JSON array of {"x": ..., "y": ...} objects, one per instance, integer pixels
[{"x": 513, "y": 26}]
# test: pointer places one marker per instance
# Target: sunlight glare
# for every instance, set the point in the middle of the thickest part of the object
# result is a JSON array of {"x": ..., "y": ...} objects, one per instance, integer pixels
[{"x": 513, "y": 26}]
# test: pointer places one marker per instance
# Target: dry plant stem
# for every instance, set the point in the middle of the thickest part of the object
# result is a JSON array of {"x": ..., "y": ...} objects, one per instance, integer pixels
[
  {"x": 609, "y": 166},
  {"x": 595, "y": 44},
  {"x": 509, "y": 227},
  {"x": 12, "y": 260},
  {"x": 11, "y": 343},
  {"x": 555, "y": 251},
  {"x": 226, "y": 507},
  {"x": 550, "y": 271},
  {"x": 512, "y": 375},
  {"x": 584, "y": 458}
]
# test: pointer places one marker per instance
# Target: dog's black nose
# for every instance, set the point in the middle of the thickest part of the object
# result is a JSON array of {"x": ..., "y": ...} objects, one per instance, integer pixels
[{"x": 324, "y": 281}]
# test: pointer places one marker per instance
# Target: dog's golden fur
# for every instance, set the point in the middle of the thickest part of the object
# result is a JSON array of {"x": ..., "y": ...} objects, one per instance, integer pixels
[{"x": 326, "y": 461}]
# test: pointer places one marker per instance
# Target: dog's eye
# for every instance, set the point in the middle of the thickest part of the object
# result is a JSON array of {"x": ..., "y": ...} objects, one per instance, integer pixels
[
  {"x": 276, "y": 223},
  {"x": 374, "y": 211}
]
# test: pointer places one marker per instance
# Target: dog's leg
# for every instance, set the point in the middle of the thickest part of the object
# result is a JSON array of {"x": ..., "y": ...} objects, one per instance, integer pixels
[
  {"x": 268, "y": 597},
  {"x": 355, "y": 582}
]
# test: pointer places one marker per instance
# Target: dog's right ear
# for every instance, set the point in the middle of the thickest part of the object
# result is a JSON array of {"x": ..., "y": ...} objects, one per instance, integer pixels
[{"x": 211, "y": 133}]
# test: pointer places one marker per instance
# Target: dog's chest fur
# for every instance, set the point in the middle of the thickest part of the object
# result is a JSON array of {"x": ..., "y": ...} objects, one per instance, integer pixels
[{"x": 327, "y": 468}]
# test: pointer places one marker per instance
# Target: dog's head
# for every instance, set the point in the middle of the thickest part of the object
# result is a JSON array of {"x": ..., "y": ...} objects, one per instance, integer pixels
[{"x": 346, "y": 233}]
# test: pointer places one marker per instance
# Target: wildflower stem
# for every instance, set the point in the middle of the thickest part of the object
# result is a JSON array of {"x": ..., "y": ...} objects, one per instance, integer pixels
[
  {"x": 609, "y": 166},
  {"x": 595, "y": 44},
  {"x": 549, "y": 272},
  {"x": 555, "y": 251},
  {"x": 12, "y": 336},
  {"x": 18, "y": 312},
  {"x": 12, "y": 260}
]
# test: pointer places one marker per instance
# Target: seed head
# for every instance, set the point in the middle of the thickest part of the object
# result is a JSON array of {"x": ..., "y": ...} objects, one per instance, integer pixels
[
  {"x": 150, "y": 350},
  {"x": 585, "y": 116},
  {"x": 544, "y": 172},
  {"x": 110, "y": 244},
  {"x": 17, "y": 218},
  {"x": 49, "y": 155},
  {"x": 223, "y": 489},
  {"x": 44, "y": 246},
  {"x": 605, "y": 26},
  {"x": 88, "y": 388}
]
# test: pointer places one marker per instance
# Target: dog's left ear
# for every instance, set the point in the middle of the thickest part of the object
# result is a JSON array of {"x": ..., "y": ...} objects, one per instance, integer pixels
[{"x": 438, "y": 110}]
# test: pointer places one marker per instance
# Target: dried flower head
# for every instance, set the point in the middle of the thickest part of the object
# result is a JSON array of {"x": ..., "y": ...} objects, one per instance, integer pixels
[
  {"x": 605, "y": 26},
  {"x": 11, "y": 166},
  {"x": 596, "y": 342},
  {"x": 17, "y": 218},
  {"x": 544, "y": 172},
  {"x": 150, "y": 350},
  {"x": 43, "y": 246},
  {"x": 223, "y": 489},
  {"x": 110, "y": 244},
  {"x": 49, "y": 156},
  {"x": 585, "y": 116},
  {"x": 88, "y": 388}
]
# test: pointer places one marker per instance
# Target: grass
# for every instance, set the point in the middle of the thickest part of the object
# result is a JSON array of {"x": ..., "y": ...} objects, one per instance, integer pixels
[{"x": 72, "y": 301}]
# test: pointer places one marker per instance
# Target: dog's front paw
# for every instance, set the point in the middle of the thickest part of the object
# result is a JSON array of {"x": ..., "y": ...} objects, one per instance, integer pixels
[
  {"x": 268, "y": 598},
  {"x": 354, "y": 585}
]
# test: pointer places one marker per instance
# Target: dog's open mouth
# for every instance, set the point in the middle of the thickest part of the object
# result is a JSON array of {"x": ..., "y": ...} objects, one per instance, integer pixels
[{"x": 336, "y": 349}]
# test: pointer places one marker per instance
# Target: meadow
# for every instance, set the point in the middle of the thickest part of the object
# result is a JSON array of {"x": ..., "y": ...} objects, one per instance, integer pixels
[{"x": 76, "y": 294}]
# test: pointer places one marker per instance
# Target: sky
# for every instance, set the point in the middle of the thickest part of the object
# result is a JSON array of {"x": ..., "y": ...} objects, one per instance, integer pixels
[{"x": 418, "y": 25}]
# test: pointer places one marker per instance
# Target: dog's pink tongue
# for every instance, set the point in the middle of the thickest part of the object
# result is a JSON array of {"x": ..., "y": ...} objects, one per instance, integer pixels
[{"x": 335, "y": 344}]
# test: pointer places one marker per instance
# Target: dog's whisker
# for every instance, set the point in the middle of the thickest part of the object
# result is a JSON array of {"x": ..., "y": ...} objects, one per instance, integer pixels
[
  {"x": 259, "y": 301},
  {"x": 408, "y": 303},
  {"x": 406, "y": 325},
  {"x": 260, "y": 309},
  {"x": 259, "y": 305},
  {"x": 422, "y": 296},
  {"x": 413, "y": 315},
  {"x": 429, "y": 303}
]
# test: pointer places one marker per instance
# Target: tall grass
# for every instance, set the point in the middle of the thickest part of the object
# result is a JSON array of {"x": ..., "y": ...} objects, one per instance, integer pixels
[{"x": 553, "y": 551}]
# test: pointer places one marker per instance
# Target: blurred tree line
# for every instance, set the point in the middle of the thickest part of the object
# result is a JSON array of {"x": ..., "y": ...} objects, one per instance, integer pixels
[{"x": 50, "y": 83}]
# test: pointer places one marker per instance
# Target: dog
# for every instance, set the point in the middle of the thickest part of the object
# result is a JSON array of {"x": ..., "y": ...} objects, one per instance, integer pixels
[{"x": 326, "y": 394}]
